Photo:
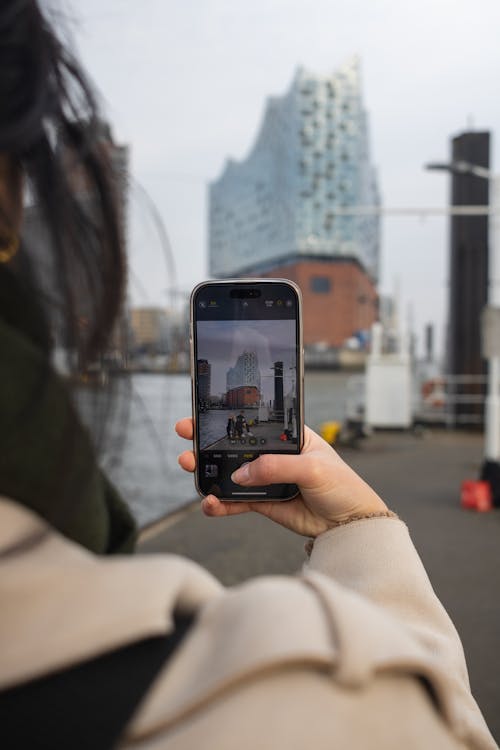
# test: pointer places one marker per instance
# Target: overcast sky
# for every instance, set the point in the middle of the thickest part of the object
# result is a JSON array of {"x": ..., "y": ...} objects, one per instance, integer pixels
[
  {"x": 185, "y": 85},
  {"x": 221, "y": 342}
]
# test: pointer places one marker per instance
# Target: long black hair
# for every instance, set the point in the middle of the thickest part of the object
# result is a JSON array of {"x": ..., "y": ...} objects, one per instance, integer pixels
[
  {"x": 51, "y": 129},
  {"x": 65, "y": 285}
]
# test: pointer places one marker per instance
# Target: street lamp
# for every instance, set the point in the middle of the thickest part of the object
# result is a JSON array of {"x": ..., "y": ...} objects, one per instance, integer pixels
[
  {"x": 461, "y": 167},
  {"x": 491, "y": 334}
]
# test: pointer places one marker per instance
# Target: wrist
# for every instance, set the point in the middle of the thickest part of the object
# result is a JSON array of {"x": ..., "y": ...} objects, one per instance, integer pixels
[
  {"x": 362, "y": 516},
  {"x": 369, "y": 506}
]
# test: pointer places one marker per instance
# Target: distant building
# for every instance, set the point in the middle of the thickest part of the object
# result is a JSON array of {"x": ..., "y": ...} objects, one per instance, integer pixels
[
  {"x": 245, "y": 372},
  {"x": 311, "y": 157},
  {"x": 204, "y": 380},
  {"x": 149, "y": 329},
  {"x": 340, "y": 299}
]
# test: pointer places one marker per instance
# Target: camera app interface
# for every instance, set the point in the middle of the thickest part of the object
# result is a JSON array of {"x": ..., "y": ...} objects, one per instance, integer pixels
[{"x": 246, "y": 378}]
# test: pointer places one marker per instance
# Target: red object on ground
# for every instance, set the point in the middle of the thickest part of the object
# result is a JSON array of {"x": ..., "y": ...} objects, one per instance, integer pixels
[{"x": 476, "y": 495}]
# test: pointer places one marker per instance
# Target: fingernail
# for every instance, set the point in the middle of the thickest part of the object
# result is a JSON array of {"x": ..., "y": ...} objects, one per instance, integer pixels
[{"x": 241, "y": 475}]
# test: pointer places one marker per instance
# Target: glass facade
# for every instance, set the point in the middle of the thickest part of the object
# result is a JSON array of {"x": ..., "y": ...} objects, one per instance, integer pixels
[
  {"x": 245, "y": 372},
  {"x": 310, "y": 158}
]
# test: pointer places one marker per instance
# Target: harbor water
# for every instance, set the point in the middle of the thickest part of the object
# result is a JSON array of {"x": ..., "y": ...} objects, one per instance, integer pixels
[{"x": 142, "y": 446}]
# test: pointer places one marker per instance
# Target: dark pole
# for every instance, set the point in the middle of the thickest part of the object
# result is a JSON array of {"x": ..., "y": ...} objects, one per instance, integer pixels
[
  {"x": 468, "y": 269},
  {"x": 429, "y": 342},
  {"x": 278, "y": 389}
]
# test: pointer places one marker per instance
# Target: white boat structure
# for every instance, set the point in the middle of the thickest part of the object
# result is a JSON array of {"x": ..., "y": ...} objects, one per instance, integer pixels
[{"x": 398, "y": 392}]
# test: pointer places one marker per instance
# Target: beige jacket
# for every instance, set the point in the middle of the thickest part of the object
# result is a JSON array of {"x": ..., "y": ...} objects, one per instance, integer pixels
[{"x": 331, "y": 659}]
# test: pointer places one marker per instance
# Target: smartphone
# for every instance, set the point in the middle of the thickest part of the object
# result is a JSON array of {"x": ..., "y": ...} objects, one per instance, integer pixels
[{"x": 247, "y": 376}]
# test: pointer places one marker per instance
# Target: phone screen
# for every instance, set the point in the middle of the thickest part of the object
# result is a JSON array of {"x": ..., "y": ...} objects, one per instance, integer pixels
[{"x": 247, "y": 381}]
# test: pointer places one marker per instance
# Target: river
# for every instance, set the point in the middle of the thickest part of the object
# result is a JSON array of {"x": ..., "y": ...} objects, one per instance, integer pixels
[{"x": 142, "y": 459}]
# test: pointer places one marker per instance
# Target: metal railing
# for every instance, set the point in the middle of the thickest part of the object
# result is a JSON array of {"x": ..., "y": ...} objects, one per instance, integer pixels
[
  {"x": 452, "y": 400},
  {"x": 449, "y": 400}
]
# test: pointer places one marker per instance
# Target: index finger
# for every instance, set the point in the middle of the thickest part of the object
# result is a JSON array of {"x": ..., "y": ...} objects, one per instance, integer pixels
[{"x": 184, "y": 428}]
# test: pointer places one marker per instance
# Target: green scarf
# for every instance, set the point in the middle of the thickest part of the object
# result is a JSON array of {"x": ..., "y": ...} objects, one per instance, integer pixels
[{"x": 47, "y": 461}]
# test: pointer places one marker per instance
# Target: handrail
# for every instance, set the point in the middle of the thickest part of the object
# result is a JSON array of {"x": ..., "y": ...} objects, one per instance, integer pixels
[{"x": 438, "y": 405}]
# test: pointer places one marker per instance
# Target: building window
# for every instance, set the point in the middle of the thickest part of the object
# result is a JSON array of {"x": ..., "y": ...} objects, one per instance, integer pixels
[{"x": 321, "y": 284}]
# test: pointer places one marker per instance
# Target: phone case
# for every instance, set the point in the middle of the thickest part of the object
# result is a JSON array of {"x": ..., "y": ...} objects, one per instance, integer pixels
[{"x": 300, "y": 369}]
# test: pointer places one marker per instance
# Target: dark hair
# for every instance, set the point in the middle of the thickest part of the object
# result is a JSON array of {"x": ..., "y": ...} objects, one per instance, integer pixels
[
  {"x": 65, "y": 285},
  {"x": 49, "y": 125}
]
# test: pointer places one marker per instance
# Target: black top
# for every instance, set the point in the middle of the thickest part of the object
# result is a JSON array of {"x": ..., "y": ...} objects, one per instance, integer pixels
[{"x": 87, "y": 706}]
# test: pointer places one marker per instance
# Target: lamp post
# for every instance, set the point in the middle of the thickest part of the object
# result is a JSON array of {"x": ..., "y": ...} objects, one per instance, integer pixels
[{"x": 491, "y": 319}]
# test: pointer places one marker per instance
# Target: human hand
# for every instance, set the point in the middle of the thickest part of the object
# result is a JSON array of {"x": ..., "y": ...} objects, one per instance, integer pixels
[{"x": 330, "y": 491}]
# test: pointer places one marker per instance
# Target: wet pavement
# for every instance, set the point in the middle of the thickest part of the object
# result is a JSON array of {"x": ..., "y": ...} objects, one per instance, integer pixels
[{"x": 419, "y": 478}]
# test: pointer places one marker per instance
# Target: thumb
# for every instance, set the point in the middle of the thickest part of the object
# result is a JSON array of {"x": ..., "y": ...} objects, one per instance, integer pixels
[{"x": 272, "y": 468}]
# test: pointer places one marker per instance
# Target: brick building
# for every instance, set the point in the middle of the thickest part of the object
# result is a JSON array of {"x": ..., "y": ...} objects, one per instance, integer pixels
[
  {"x": 243, "y": 396},
  {"x": 149, "y": 329},
  {"x": 340, "y": 298}
]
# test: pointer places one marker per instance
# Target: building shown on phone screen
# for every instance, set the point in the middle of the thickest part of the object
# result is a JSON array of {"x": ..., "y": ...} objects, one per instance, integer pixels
[
  {"x": 277, "y": 210},
  {"x": 204, "y": 372},
  {"x": 243, "y": 382}
]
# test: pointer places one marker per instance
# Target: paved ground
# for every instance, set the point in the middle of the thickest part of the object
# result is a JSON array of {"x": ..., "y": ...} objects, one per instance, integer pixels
[
  {"x": 265, "y": 434},
  {"x": 419, "y": 478}
]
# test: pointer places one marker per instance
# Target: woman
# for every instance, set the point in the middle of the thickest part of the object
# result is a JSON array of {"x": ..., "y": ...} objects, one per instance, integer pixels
[{"x": 152, "y": 652}]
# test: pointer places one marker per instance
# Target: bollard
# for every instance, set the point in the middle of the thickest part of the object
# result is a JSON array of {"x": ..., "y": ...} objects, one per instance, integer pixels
[
  {"x": 330, "y": 431},
  {"x": 476, "y": 495}
]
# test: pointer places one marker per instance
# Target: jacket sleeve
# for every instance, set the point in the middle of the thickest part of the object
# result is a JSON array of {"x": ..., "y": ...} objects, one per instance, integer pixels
[{"x": 376, "y": 559}]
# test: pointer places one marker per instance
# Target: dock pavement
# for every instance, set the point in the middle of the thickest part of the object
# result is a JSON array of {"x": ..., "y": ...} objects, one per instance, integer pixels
[
  {"x": 259, "y": 436},
  {"x": 419, "y": 477}
]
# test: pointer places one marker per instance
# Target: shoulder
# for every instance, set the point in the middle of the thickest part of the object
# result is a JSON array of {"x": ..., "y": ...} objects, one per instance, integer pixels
[
  {"x": 62, "y": 605},
  {"x": 269, "y": 662}
]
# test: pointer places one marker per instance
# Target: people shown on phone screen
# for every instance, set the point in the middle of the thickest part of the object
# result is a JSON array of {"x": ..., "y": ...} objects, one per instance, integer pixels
[
  {"x": 230, "y": 427},
  {"x": 101, "y": 649},
  {"x": 240, "y": 424}
]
